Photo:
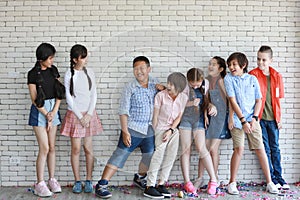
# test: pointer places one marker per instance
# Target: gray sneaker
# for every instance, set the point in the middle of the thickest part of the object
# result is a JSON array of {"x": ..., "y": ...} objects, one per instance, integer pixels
[
  {"x": 101, "y": 189},
  {"x": 140, "y": 182}
]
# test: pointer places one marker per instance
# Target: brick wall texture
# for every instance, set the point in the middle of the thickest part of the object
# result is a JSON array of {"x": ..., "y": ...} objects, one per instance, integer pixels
[{"x": 174, "y": 34}]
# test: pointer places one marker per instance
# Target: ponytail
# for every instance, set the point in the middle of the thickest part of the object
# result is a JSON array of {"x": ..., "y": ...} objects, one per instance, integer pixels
[
  {"x": 77, "y": 51},
  {"x": 40, "y": 97},
  {"x": 88, "y": 77},
  {"x": 59, "y": 88},
  {"x": 205, "y": 103},
  {"x": 71, "y": 80}
]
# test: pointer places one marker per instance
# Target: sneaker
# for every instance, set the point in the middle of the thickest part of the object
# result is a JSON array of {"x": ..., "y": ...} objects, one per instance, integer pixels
[
  {"x": 101, "y": 189},
  {"x": 88, "y": 186},
  {"x": 198, "y": 183},
  {"x": 153, "y": 193},
  {"x": 139, "y": 181},
  {"x": 42, "y": 190},
  {"x": 54, "y": 185},
  {"x": 232, "y": 188},
  {"x": 212, "y": 187},
  {"x": 189, "y": 187},
  {"x": 278, "y": 186},
  {"x": 163, "y": 190},
  {"x": 77, "y": 187},
  {"x": 271, "y": 188},
  {"x": 285, "y": 186}
]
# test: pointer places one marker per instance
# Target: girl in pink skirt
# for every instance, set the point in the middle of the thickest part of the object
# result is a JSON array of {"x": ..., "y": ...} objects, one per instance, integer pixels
[{"x": 81, "y": 119}]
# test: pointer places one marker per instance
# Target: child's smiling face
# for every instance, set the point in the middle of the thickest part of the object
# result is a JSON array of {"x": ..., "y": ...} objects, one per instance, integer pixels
[
  {"x": 171, "y": 90},
  {"x": 141, "y": 71},
  {"x": 214, "y": 68},
  {"x": 235, "y": 69},
  {"x": 263, "y": 61}
]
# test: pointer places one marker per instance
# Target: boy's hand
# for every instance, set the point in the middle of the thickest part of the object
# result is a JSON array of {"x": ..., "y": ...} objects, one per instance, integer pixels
[
  {"x": 160, "y": 87},
  {"x": 167, "y": 135},
  {"x": 126, "y": 139},
  {"x": 230, "y": 124},
  {"x": 247, "y": 128},
  {"x": 279, "y": 125},
  {"x": 253, "y": 124}
]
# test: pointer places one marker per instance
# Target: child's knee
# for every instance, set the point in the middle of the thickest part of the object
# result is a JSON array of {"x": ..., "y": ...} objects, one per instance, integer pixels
[
  {"x": 88, "y": 150},
  {"x": 239, "y": 151}
]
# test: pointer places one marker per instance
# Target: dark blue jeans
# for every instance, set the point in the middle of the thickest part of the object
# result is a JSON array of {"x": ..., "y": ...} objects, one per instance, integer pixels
[{"x": 270, "y": 133}]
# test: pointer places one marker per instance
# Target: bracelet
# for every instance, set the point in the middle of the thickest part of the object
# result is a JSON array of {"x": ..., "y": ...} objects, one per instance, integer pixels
[
  {"x": 241, "y": 118},
  {"x": 255, "y": 117},
  {"x": 172, "y": 130},
  {"x": 244, "y": 122}
]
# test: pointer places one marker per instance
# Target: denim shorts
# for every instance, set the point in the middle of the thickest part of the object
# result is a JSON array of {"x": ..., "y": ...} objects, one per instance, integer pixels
[
  {"x": 192, "y": 122},
  {"x": 146, "y": 143},
  {"x": 36, "y": 118}
]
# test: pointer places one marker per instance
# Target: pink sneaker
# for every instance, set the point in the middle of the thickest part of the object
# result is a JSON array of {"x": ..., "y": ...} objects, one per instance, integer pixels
[
  {"x": 212, "y": 187},
  {"x": 54, "y": 185},
  {"x": 42, "y": 190},
  {"x": 189, "y": 187}
]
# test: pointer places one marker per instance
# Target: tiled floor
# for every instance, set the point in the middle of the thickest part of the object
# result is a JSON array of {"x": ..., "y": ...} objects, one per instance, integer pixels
[{"x": 133, "y": 193}]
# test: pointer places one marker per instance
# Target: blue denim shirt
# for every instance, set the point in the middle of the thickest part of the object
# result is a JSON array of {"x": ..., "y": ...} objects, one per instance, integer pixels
[
  {"x": 246, "y": 90},
  {"x": 137, "y": 103}
]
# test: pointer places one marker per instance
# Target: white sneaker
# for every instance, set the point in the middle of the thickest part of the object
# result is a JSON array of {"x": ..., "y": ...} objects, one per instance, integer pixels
[
  {"x": 271, "y": 188},
  {"x": 278, "y": 186},
  {"x": 285, "y": 187},
  {"x": 232, "y": 188}
]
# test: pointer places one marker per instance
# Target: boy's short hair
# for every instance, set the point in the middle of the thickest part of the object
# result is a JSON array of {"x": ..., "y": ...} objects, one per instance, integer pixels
[
  {"x": 241, "y": 58},
  {"x": 178, "y": 80},
  {"x": 141, "y": 58},
  {"x": 266, "y": 49}
]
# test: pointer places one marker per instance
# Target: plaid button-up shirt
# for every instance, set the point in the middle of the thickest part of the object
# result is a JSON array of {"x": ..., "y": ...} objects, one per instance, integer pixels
[{"x": 137, "y": 103}]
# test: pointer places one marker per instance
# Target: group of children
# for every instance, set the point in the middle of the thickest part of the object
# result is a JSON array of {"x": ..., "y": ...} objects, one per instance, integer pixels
[{"x": 156, "y": 117}]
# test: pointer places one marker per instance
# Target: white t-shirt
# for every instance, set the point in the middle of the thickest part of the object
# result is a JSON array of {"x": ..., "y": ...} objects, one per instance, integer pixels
[{"x": 84, "y": 100}]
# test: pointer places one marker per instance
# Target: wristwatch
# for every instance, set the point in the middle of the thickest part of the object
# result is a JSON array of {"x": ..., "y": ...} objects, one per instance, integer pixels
[
  {"x": 255, "y": 117},
  {"x": 172, "y": 130}
]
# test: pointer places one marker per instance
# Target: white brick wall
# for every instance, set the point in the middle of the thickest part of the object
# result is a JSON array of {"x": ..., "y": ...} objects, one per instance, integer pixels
[{"x": 175, "y": 35}]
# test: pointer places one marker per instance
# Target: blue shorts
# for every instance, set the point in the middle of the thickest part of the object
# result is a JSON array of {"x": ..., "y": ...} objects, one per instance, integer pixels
[
  {"x": 145, "y": 142},
  {"x": 36, "y": 118},
  {"x": 192, "y": 122}
]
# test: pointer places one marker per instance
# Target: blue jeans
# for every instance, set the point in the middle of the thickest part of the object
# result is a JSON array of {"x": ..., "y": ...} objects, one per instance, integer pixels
[
  {"x": 270, "y": 133},
  {"x": 146, "y": 143}
]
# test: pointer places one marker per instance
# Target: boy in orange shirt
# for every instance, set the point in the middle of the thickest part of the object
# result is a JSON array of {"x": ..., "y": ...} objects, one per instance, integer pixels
[{"x": 271, "y": 86}]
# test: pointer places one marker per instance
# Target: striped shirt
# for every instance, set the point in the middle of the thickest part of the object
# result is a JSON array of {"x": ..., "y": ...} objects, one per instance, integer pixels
[
  {"x": 246, "y": 90},
  {"x": 137, "y": 103}
]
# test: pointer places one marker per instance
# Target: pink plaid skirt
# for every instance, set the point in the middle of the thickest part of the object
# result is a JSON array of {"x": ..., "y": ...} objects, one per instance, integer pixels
[{"x": 72, "y": 127}]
